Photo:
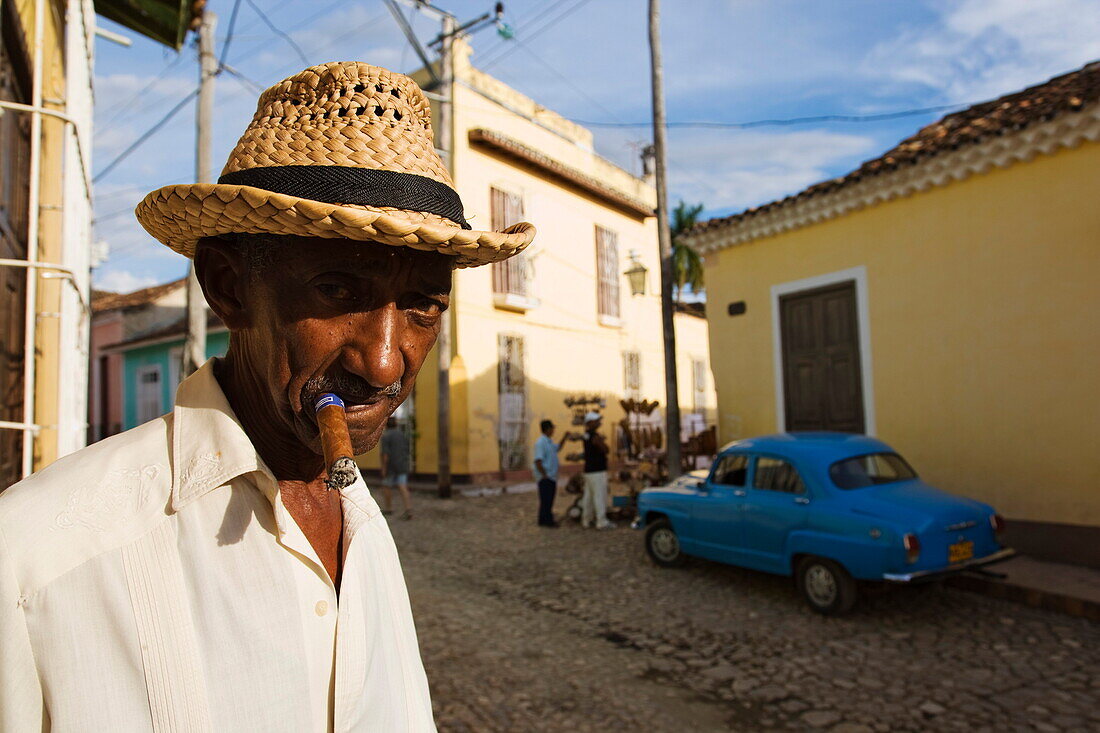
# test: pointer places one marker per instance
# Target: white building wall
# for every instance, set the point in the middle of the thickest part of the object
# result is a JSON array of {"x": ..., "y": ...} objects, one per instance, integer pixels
[{"x": 77, "y": 229}]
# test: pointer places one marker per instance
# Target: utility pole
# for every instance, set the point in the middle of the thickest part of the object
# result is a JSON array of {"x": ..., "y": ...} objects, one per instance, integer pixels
[
  {"x": 194, "y": 346},
  {"x": 445, "y": 141},
  {"x": 664, "y": 238}
]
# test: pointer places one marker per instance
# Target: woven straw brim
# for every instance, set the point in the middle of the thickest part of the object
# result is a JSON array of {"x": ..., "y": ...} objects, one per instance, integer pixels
[{"x": 180, "y": 215}]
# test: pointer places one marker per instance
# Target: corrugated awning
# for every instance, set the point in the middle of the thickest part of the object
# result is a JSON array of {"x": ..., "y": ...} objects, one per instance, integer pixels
[{"x": 165, "y": 21}]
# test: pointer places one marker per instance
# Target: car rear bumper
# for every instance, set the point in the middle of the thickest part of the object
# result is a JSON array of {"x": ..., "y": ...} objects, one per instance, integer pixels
[{"x": 918, "y": 575}]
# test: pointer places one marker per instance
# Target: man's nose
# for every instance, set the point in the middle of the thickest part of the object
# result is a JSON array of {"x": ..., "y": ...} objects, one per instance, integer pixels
[{"x": 372, "y": 348}]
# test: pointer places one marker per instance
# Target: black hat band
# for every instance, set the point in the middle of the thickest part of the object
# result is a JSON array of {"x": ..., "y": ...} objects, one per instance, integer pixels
[{"x": 332, "y": 184}]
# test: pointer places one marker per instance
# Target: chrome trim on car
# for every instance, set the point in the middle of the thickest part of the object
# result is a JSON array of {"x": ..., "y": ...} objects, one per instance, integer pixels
[
  {"x": 961, "y": 525},
  {"x": 1002, "y": 554}
]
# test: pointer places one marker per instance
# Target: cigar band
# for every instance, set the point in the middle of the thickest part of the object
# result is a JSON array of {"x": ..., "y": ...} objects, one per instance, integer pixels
[{"x": 327, "y": 400}]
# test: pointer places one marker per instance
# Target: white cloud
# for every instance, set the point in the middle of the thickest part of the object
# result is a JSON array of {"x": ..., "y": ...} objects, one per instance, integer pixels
[
  {"x": 980, "y": 49},
  {"x": 742, "y": 169},
  {"x": 123, "y": 281}
]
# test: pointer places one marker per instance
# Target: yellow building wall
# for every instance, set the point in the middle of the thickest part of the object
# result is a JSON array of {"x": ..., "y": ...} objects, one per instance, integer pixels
[
  {"x": 567, "y": 350},
  {"x": 47, "y": 341},
  {"x": 984, "y": 317}
]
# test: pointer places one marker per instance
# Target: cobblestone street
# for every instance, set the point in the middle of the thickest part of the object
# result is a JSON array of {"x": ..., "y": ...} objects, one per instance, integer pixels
[{"x": 528, "y": 629}]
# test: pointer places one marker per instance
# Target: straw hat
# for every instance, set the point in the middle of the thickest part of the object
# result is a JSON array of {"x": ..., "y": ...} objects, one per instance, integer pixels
[{"x": 338, "y": 150}]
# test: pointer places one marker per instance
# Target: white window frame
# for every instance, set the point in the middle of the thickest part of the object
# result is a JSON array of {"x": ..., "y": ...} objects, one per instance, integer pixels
[
  {"x": 175, "y": 362},
  {"x": 858, "y": 275},
  {"x": 140, "y": 372}
]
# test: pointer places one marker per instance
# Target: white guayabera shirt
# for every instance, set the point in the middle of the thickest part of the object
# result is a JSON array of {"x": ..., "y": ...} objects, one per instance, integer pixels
[{"x": 155, "y": 581}]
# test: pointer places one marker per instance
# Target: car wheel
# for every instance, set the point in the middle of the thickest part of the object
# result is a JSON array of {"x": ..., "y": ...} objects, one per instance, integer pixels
[
  {"x": 826, "y": 586},
  {"x": 662, "y": 544}
]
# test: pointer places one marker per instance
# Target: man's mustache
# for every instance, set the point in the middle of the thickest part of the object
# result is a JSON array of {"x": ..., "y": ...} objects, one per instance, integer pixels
[{"x": 349, "y": 388}]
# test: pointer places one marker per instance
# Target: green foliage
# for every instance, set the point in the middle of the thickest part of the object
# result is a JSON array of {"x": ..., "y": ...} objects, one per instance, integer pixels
[{"x": 687, "y": 265}]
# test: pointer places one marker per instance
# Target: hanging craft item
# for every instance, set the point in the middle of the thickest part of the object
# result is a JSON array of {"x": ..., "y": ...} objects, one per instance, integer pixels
[{"x": 580, "y": 405}]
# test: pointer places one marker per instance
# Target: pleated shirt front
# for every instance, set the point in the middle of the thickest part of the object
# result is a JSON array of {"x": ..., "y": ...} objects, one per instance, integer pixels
[{"x": 155, "y": 581}]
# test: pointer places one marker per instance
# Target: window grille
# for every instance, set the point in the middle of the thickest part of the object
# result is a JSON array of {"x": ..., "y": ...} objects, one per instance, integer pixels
[
  {"x": 509, "y": 276},
  {"x": 632, "y": 374},
  {"x": 607, "y": 272},
  {"x": 699, "y": 384},
  {"x": 149, "y": 391},
  {"x": 512, "y": 380}
]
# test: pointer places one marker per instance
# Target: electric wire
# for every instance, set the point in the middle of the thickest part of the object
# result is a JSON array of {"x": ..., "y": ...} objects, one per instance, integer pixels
[
  {"x": 128, "y": 104},
  {"x": 278, "y": 32},
  {"x": 229, "y": 34},
  {"x": 145, "y": 136},
  {"x": 566, "y": 79},
  {"x": 519, "y": 23},
  {"x": 486, "y": 65},
  {"x": 784, "y": 122},
  {"x": 250, "y": 84}
]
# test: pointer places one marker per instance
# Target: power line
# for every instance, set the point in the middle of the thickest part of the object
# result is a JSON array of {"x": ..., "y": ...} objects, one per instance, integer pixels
[
  {"x": 125, "y": 107},
  {"x": 278, "y": 32},
  {"x": 780, "y": 122},
  {"x": 566, "y": 79},
  {"x": 535, "y": 33},
  {"x": 146, "y": 135},
  {"x": 519, "y": 23},
  {"x": 229, "y": 34},
  {"x": 249, "y": 84}
]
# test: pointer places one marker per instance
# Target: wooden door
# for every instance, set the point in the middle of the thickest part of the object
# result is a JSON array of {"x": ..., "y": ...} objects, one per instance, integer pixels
[{"x": 822, "y": 379}]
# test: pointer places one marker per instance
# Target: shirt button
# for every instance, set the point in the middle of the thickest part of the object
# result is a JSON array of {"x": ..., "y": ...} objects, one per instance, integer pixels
[{"x": 321, "y": 608}]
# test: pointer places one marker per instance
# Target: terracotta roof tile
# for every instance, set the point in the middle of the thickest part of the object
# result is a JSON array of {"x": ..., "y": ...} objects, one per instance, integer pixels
[
  {"x": 1040, "y": 103},
  {"x": 105, "y": 300},
  {"x": 518, "y": 151}
]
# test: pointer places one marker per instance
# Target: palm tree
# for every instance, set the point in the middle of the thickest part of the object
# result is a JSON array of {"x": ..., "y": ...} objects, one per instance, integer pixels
[{"x": 687, "y": 265}]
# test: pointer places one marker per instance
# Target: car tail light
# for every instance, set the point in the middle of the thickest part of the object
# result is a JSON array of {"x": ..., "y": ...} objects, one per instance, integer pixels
[
  {"x": 912, "y": 548},
  {"x": 997, "y": 522}
]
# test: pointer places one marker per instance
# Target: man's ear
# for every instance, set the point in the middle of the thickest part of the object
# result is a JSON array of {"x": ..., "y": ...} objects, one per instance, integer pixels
[{"x": 223, "y": 275}]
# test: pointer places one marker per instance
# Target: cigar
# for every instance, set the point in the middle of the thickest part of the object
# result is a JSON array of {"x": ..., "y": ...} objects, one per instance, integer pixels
[{"x": 332, "y": 423}]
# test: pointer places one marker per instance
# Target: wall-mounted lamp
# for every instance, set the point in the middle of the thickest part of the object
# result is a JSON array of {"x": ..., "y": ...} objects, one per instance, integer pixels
[{"x": 636, "y": 274}]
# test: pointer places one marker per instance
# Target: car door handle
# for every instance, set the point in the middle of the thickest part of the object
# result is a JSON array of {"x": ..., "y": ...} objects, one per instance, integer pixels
[
  {"x": 801, "y": 500},
  {"x": 739, "y": 492}
]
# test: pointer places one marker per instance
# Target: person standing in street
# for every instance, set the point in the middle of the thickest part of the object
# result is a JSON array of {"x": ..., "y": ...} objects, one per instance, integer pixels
[
  {"x": 546, "y": 471},
  {"x": 594, "y": 500},
  {"x": 394, "y": 447}
]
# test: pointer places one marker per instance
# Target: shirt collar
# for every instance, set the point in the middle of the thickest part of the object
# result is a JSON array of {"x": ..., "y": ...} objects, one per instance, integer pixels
[{"x": 209, "y": 446}]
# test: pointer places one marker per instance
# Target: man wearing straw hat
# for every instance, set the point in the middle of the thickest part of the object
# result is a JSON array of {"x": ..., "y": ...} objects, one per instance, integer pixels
[{"x": 195, "y": 573}]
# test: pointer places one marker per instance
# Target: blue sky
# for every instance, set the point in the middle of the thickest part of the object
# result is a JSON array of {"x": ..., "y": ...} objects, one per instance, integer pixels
[{"x": 725, "y": 60}]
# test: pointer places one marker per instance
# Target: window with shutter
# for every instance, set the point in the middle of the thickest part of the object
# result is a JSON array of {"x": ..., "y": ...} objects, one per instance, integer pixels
[
  {"x": 607, "y": 272},
  {"x": 512, "y": 386},
  {"x": 149, "y": 391},
  {"x": 632, "y": 374},
  {"x": 699, "y": 384},
  {"x": 509, "y": 276}
]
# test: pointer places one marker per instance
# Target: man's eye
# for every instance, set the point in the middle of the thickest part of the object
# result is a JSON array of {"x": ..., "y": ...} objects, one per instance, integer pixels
[
  {"x": 337, "y": 292},
  {"x": 429, "y": 306}
]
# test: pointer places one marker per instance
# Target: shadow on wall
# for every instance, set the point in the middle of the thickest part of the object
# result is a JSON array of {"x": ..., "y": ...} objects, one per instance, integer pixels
[{"x": 475, "y": 440}]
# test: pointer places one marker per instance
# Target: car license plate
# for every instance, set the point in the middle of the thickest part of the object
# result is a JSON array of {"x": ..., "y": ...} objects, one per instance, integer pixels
[{"x": 960, "y": 551}]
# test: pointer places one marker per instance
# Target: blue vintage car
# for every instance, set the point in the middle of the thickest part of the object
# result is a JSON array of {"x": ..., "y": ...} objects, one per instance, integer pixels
[{"x": 828, "y": 508}]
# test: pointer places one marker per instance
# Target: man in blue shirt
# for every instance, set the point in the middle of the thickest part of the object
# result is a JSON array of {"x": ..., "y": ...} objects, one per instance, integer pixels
[{"x": 546, "y": 471}]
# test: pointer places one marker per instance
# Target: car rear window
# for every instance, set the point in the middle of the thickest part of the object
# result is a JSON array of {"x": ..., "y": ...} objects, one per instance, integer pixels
[{"x": 873, "y": 469}]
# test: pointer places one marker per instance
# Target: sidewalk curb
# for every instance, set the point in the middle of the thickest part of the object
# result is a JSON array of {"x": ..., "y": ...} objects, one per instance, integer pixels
[{"x": 1033, "y": 597}]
